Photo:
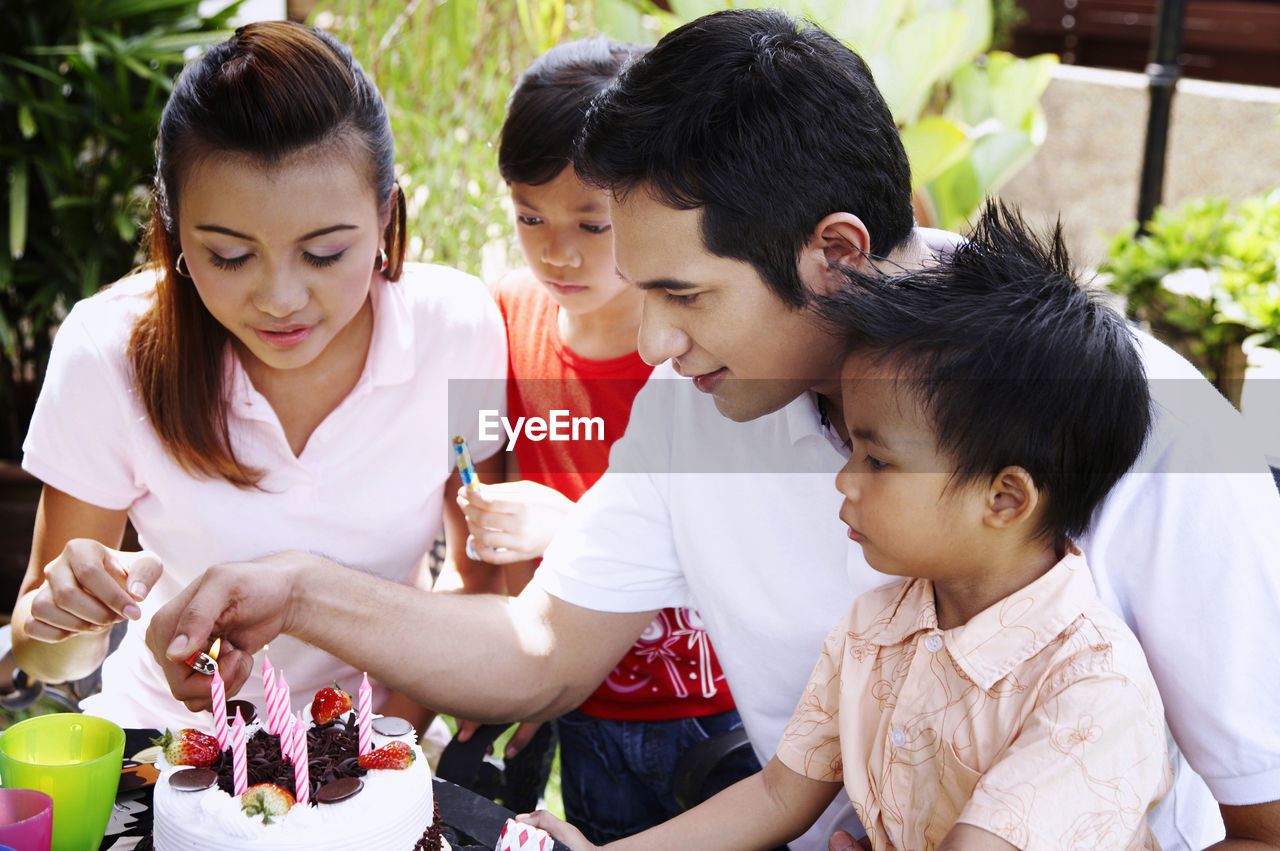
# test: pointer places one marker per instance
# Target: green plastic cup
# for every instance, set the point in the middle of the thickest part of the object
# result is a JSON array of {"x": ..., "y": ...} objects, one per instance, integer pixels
[{"x": 75, "y": 760}]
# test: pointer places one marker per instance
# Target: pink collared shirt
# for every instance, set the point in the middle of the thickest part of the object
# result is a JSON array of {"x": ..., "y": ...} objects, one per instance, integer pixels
[
  {"x": 367, "y": 490},
  {"x": 1038, "y": 720}
]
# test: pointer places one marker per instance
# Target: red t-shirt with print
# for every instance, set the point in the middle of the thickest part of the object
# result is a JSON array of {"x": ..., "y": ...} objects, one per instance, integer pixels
[{"x": 671, "y": 671}]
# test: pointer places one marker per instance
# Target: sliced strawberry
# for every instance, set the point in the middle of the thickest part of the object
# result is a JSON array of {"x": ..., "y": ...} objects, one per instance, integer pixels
[
  {"x": 188, "y": 747},
  {"x": 329, "y": 703},
  {"x": 267, "y": 800},
  {"x": 396, "y": 755}
]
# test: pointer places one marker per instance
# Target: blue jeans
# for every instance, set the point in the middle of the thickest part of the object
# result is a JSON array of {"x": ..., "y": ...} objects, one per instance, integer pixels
[{"x": 615, "y": 776}]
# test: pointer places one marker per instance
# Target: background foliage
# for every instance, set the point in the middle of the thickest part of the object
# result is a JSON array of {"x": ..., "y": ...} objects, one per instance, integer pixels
[
  {"x": 82, "y": 84},
  {"x": 1206, "y": 277},
  {"x": 969, "y": 119},
  {"x": 445, "y": 68}
]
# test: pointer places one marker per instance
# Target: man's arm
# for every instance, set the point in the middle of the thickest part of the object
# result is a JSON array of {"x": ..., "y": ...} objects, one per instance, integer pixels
[
  {"x": 483, "y": 657},
  {"x": 1251, "y": 827},
  {"x": 1184, "y": 548}
]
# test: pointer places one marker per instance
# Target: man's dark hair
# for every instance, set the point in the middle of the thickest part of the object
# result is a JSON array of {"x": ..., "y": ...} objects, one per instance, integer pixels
[
  {"x": 1014, "y": 362},
  {"x": 548, "y": 106},
  {"x": 765, "y": 124}
]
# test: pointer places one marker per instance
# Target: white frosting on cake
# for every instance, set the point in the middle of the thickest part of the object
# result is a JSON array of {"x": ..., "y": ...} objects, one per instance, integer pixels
[{"x": 391, "y": 813}]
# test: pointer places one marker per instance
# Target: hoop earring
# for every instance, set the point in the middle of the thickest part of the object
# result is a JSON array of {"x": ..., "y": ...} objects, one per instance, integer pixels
[
  {"x": 380, "y": 262},
  {"x": 180, "y": 265}
]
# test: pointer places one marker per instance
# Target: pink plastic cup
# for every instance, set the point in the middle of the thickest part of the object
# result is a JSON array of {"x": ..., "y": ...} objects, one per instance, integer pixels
[{"x": 26, "y": 819}]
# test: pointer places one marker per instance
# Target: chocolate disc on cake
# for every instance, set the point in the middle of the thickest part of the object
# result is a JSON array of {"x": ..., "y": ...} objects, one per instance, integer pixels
[
  {"x": 247, "y": 710},
  {"x": 193, "y": 779},
  {"x": 390, "y": 725},
  {"x": 339, "y": 790}
]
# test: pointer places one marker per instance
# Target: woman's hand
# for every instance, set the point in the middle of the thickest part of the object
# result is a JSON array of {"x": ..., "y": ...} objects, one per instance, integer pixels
[
  {"x": 513, "y": 521},
  {"x": 560, "y": 830},
  {"x": 88, "y": 588}
]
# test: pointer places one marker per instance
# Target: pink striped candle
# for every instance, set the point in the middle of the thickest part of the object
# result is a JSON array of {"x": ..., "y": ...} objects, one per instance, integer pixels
[
  {"x": 288, "y": 749},
  {"x": 239, "y": 761},
  {"x": 218, "y": 693},
  {"x": 364, "y": 718},
  {"x": 301, "y": 763},
  {"x": 268, "y": 680},
  {"x": 278, "y": 708},
  {"x": 286, "y": 741}
]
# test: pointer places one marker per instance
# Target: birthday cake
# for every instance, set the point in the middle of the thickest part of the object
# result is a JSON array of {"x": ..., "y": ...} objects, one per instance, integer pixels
[{"x": 350, "y": 806}]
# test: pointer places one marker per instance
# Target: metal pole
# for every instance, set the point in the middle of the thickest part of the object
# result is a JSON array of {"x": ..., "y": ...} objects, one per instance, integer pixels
[{"x": 1162, "y": 77}]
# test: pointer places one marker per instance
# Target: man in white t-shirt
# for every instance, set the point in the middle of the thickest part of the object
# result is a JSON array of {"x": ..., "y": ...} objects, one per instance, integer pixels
[{"x": 750, "y": 159}]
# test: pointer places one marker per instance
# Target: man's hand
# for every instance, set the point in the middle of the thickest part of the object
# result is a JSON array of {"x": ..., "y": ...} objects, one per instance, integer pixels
[
  {"x": 841, "y": 840},
  {"x": 1253, "y": 826},
  {"x": 513, "y": 521},
  {"x": 245, "y": 604}
]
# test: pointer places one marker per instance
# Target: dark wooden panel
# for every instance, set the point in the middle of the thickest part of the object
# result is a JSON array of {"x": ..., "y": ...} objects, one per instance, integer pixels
[{"x": 1226, "y": 40}]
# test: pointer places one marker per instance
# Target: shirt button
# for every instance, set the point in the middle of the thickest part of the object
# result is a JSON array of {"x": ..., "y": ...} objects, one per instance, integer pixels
[
  {"x": 898, "y": 737},
  {"x": 933, "y": 642}
]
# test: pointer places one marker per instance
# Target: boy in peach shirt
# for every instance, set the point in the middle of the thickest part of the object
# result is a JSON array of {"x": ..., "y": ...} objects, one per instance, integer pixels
[{"x": 988, "y": 700}]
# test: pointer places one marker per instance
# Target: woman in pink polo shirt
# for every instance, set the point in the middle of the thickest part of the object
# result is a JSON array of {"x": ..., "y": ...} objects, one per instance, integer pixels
[{"x": 276, "y": 379}]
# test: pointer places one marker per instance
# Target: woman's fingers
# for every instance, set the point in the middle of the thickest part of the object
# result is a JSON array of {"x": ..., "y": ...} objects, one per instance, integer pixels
[
  {"x": 118, "y": 581},
  {"x": 89, "y": 587},
  {"x": 62, "y": 602},
  {"x": 51, "y": 624},
  {"x": 143, "y": 571}
]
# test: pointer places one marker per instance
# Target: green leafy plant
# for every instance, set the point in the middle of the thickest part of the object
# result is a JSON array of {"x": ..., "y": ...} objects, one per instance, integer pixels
[
  {"x": 445, "y": 69},
  {"x": 1205, "y": 276},
  {"x": 82, "y": 84},
  {"x": 1006, "y": 16}
]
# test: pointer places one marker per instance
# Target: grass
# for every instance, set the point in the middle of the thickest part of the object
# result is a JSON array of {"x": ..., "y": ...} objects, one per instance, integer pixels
[{"x": 445, "y": 69}]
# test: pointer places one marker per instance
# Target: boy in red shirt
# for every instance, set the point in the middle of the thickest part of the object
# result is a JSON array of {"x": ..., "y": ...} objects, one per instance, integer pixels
[{"x": 572, "y": 325}]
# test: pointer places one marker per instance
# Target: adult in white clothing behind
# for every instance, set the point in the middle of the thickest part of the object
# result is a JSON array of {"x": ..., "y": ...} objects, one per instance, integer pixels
[
  {"x": 750, "y": 158},
  {"x": 277, "y": 379}
]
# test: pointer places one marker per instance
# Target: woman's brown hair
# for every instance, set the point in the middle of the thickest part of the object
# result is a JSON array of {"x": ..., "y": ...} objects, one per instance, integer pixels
[{"x": 273, "y": 89}]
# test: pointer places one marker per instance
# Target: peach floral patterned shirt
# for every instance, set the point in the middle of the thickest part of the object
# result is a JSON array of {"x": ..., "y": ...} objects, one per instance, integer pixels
[{"x": 1037, "y": 720}]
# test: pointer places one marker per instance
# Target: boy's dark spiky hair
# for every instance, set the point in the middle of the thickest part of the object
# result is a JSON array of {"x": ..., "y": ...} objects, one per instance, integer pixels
[{"x": 1013, "y": 360}]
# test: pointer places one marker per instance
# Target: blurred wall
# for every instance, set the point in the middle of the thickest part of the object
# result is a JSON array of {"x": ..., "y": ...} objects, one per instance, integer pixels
[
  {"x": 1224, "y": 140},
  {"x": 252, "y": 10}
]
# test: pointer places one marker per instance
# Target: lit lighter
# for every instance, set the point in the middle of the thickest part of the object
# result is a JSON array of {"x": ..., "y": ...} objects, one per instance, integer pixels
[{"x": 204, "y": 663}]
